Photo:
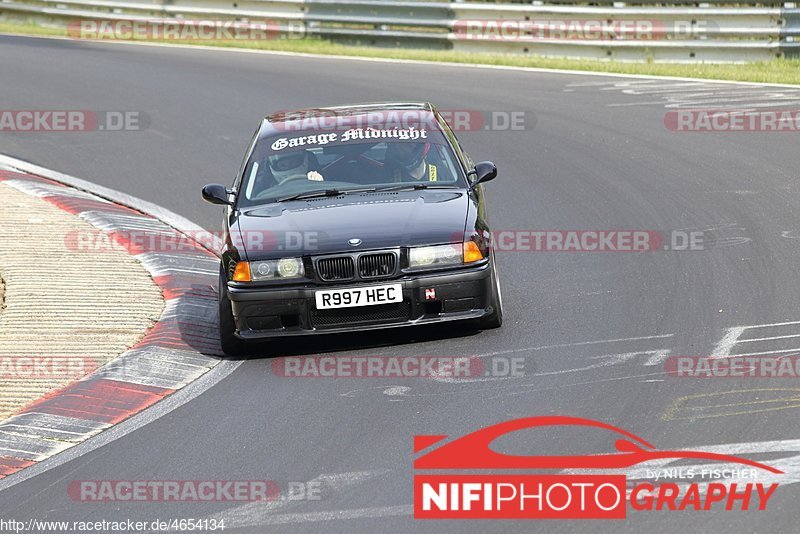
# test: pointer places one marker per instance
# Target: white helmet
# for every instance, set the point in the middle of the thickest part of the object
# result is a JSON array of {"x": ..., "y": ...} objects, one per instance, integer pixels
[{"x": 286, "y": 166}]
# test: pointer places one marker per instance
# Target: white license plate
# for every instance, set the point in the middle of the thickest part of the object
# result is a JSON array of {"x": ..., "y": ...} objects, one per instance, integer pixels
[{"x": 358, "y": 296}]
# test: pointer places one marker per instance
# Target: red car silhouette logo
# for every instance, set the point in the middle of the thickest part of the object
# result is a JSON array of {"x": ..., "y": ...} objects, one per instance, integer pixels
[{"x": 473, "y": 451}]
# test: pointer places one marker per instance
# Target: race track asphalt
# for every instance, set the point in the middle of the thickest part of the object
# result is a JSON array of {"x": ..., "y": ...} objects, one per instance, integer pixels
[{"x": 593, "y": 328}]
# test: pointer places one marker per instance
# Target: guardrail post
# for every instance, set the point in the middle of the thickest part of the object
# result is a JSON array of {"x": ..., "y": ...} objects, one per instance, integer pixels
[{"x": 790, "y": 30}]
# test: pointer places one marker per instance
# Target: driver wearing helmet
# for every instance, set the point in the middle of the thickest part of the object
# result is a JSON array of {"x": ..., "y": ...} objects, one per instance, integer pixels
[
  {"x": 407, "y": 162},
  {"x": 292, "y": 166}
]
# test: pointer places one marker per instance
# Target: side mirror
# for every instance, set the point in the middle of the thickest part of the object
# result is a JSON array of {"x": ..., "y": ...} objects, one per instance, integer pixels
[
  {"x": 483, "y": 172},
  {"x": 216, "y": 194}
]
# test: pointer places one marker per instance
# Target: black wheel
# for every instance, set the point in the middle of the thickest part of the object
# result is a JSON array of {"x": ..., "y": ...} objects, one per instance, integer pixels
[
  {"x": 231, "y": 345},
  {"x": 495, "y": 319}
]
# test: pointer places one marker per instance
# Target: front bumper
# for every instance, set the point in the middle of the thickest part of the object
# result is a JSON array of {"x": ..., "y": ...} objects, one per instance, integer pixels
[{"x": 290, "y": 311}]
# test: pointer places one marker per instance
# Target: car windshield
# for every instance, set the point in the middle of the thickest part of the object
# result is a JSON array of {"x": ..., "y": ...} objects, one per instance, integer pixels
[{"x": 300, "y": 164}]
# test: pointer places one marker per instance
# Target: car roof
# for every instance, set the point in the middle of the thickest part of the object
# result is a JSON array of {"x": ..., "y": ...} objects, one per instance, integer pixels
[
  {"x": 354, "y": 109},
  {"x": 273, "y": 123}
]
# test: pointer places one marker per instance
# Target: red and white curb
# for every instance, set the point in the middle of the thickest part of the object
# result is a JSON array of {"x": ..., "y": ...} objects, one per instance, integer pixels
[{"x": 180, "y": 348}]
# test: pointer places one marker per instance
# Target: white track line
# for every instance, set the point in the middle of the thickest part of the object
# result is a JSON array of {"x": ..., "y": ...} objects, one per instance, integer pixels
[
  {"x": 578, "y": 344},
  {"x": 771, "y": 324},
  {"x": 726, "y": 344},
  {"x": 767, "y": 338},
  {"x": 332, "y": 515}
]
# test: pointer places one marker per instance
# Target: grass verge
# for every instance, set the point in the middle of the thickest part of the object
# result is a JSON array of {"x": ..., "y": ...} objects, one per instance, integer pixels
[{"x": 776, "y": 71}]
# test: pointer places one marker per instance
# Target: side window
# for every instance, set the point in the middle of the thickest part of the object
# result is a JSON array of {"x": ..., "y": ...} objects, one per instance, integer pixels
[{"x": 251, "y": 180}]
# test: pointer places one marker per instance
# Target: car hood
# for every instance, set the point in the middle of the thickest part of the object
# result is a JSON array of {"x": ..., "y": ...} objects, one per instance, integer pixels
[{"x": 379, "y": 220}]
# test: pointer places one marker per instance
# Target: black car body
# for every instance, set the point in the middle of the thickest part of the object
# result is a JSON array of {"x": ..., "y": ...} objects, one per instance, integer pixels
[{"x": 366, "y": 246}]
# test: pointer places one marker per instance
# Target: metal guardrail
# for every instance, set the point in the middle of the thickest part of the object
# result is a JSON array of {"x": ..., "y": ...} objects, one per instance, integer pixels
[{"x": 680, "y": 30}]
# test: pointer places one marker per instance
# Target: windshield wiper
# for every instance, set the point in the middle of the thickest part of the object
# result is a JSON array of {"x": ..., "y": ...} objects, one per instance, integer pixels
[
  {"x": 311, "y": 194},
  {"x": 324, "y": 193},
  {"x": 415, "y": 187}
]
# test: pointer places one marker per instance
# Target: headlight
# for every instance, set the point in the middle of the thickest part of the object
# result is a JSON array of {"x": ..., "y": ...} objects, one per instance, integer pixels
[
  {"x": 281, "y": 269},
  {"x": 290, "y": 267},
  {"x": 439, "y": 255}
]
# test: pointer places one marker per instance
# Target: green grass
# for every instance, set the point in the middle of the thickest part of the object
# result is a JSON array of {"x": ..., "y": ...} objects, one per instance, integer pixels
[{"x": 775, "y": 71}]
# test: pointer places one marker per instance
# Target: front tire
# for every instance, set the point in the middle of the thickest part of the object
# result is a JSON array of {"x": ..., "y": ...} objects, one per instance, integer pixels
[
  {"x": 495, "y": 319},
  {"x": 231, "y": 345}
]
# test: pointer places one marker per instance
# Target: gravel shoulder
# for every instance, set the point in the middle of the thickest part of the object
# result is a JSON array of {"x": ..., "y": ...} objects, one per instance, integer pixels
[{"x": 67, "y": 311}]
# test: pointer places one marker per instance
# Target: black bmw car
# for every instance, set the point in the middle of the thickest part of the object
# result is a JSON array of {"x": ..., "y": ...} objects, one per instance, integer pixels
[{"x": 350, "y": 218}]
